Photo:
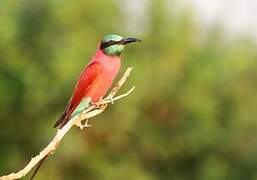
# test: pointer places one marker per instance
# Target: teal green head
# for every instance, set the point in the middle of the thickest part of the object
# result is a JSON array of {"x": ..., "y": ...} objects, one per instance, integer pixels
[{"x": 114, "y": 44}]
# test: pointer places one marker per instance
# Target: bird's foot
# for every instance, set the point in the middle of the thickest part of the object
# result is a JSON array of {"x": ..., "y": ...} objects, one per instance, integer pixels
[
  {"x": 96, "y": 104},
  {"x": 81, "y": 125},
  {"x": 99, "y": 104}
]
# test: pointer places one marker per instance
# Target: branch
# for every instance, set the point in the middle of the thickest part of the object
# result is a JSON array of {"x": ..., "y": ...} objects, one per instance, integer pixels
[{"x": 90, "y": 112}]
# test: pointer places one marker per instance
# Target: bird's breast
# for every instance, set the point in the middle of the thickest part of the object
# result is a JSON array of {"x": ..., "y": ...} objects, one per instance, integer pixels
[{"x": 105, "y": 79}]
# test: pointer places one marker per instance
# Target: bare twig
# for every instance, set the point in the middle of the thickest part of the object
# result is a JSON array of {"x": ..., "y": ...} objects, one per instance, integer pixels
[{"x": 90, "y": 112}]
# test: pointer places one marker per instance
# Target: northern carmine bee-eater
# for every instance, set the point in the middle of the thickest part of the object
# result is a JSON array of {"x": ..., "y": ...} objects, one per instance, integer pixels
[
  {"x": 97, "y": 76},
  {"x": 95, "y": 79}
]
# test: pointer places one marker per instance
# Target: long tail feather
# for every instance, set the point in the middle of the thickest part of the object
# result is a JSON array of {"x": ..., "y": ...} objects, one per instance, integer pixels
[
  {"x": 38, "y": 167},
  {"x": 60, "y": 120}
]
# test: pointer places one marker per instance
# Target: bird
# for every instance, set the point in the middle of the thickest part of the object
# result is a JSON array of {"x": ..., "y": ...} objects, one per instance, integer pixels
[{"x": 97, "y": 77}]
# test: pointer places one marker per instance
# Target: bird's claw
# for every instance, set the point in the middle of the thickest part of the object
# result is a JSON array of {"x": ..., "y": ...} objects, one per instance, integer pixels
[
  {"x": 97, "y": 105},
  {"x": 82, "y": 126}
]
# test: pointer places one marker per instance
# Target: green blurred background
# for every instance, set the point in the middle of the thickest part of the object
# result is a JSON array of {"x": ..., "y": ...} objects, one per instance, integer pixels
[{"x": 192, "y": 116}]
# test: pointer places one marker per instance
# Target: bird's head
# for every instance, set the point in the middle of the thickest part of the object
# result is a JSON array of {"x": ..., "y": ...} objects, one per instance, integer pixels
[{"x": 114, "y": 44}]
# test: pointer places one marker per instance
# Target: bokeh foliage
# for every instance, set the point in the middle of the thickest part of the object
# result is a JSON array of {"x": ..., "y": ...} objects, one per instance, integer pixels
[{"x": 193, "y": 114}]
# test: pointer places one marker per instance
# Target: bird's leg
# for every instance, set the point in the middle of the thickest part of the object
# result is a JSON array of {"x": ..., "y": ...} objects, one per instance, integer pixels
[{"x": 98, "y": 104}]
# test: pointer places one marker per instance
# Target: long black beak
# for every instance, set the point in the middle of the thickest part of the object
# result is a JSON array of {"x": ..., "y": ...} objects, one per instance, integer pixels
[{"x": 130, "y": 40}]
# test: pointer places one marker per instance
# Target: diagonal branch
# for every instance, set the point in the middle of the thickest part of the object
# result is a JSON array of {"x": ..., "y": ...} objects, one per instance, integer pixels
[{"x": 90, "y": 112}]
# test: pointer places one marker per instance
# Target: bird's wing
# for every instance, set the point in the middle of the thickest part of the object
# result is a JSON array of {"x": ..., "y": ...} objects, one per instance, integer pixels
[{"x": 87, "y": 77}]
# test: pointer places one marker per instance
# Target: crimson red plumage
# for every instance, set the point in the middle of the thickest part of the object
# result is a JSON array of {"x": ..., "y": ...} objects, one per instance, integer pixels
[{"x": 94, "y": 82}]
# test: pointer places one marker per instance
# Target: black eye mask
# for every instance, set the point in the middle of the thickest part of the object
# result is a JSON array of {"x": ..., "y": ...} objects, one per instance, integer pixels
[
  {"x": 110, "y": 43},
  {"x": 123, "y": 42}
]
